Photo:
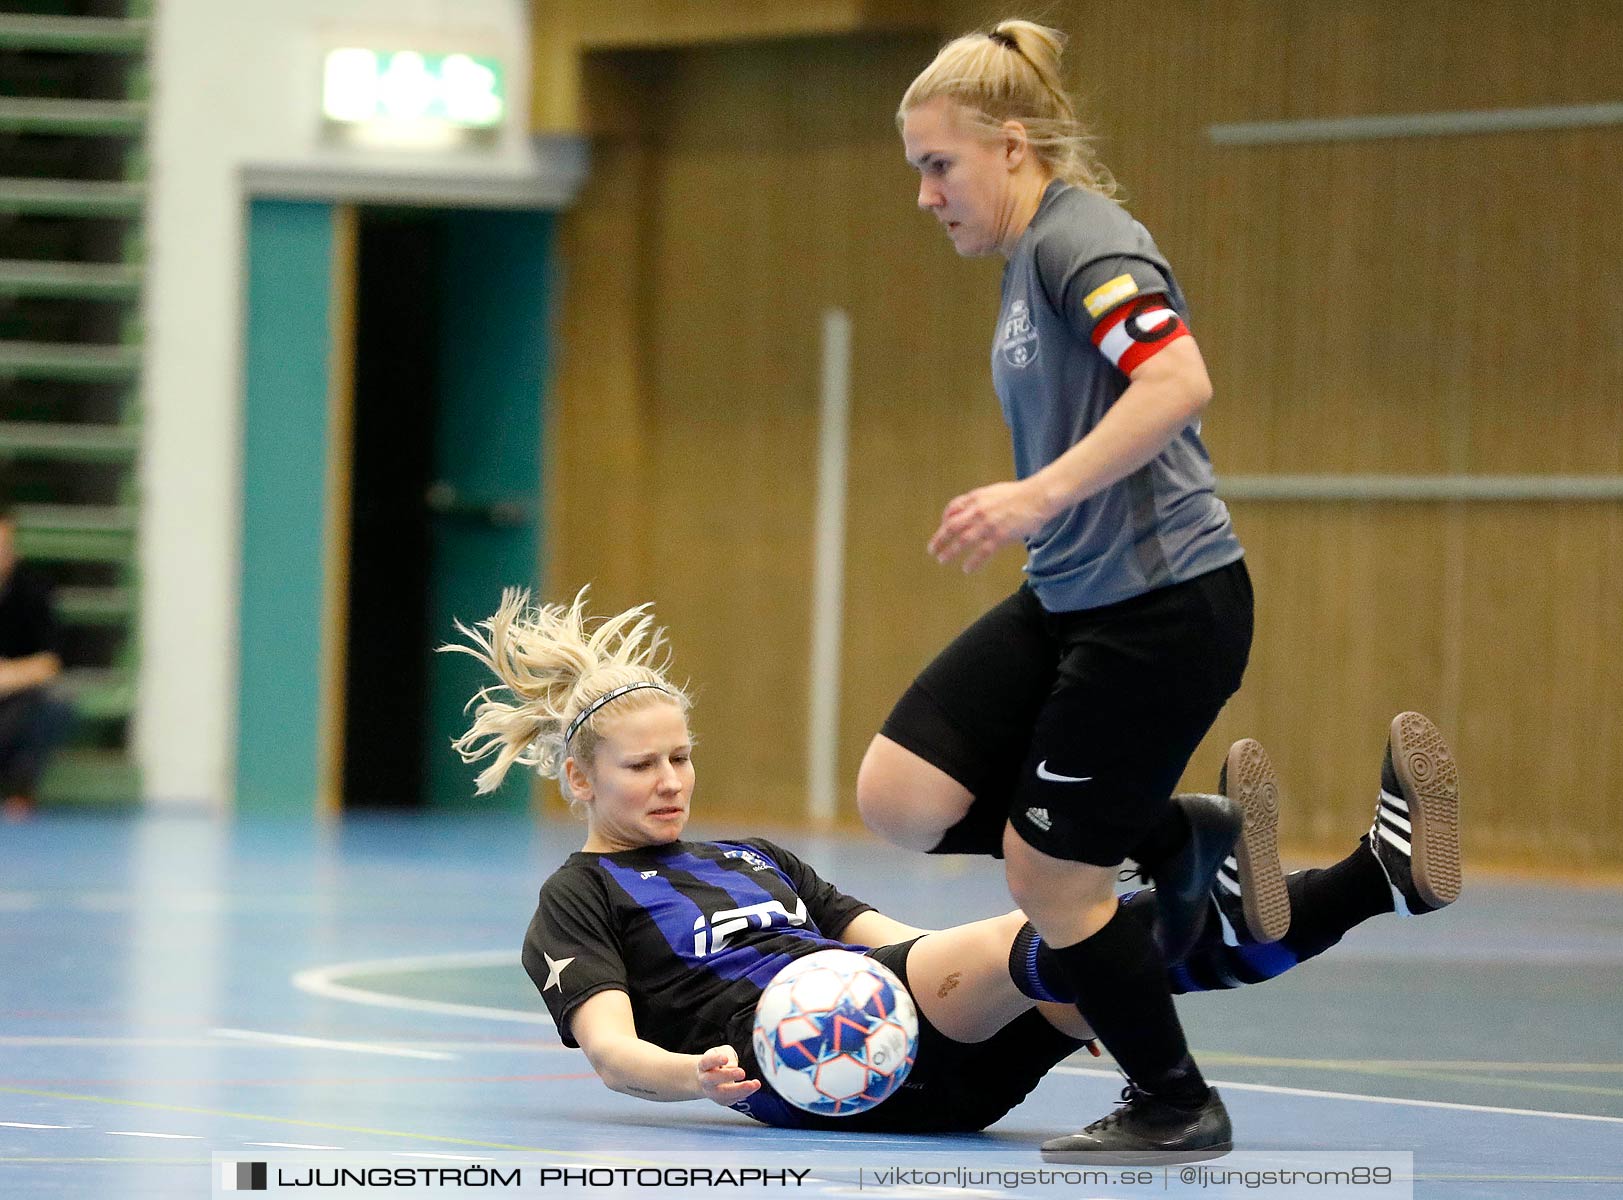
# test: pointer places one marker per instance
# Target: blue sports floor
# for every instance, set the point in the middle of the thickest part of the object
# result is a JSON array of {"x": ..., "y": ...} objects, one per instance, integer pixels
[{"x": 172, "y": 987}]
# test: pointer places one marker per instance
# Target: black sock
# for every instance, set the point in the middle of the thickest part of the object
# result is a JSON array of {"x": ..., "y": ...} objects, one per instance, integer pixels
[
  {"x": 1325, "y": 904},
  {"x": 1140, "y": 905},
  {"x": 1035, "y": 970},
  {"x": 1122, "y": 992},
  {"x": 1170, "y": 835}
]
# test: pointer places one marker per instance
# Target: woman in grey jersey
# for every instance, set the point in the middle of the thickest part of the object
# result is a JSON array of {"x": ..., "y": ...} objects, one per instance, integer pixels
[{"x": 1053, "y": 731}]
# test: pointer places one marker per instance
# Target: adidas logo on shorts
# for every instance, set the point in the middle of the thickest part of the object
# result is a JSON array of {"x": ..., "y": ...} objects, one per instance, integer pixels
[{"x": 1040, "y": 818}]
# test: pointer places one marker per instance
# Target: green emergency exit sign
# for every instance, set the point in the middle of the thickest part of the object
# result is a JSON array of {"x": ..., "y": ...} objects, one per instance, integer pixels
[{"x": 405, "y": 87}]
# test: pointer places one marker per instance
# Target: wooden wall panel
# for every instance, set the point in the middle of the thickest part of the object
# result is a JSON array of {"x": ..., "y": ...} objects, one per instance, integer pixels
[
  {"x": 1363, "y": 304},
  {"x": 597, "y": 438},
  {"x": 1501, "y": 621},
  {"x": 1351, "y": 629},
  {"x": 782, "y": 190},
  {"x": 1541, "y": 682},
  {"x": 1405, "y": 306},
  {"x": 776, "y": 188}
]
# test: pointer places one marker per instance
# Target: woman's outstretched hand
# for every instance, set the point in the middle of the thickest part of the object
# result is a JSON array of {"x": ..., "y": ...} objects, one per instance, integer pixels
[
  {"x": 722, "y": 1079},
  {"x": 978, "y": 524}
]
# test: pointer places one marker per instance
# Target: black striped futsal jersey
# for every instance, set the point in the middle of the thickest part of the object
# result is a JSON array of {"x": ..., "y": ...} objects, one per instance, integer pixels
[{"x": 691, "y": 931}]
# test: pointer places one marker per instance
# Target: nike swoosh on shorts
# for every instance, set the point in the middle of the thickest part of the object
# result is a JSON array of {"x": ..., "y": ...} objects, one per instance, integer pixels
[{"x": 1044, "y": 773}]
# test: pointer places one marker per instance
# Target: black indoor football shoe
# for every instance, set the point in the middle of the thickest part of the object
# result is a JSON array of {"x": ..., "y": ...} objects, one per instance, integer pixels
[
  {"x": 1416, "y": 834},
  {"x": 1183, "y": 883},
  {"x": 1253, "y": 905},
  {"x": 1145, "y": 1130}
]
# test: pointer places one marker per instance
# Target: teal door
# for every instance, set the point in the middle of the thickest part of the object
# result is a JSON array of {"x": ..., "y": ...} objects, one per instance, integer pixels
[
  {"x": 282, "y": 720},
  {"x": 358, "y": 555},
  {"x": 485, "y": 494}
]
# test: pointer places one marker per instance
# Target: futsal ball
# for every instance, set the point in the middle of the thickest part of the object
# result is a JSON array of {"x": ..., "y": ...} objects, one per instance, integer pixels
[{"x": 835, "y": 1033}]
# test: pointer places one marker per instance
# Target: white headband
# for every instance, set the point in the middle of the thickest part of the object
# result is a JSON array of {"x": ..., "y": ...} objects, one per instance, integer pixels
[{"x": 591, "y": 708}]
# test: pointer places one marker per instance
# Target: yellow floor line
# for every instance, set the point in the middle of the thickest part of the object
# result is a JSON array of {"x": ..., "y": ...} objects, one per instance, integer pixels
[
  {"x": 1430, "y": 1178},
  {"x": 1398, "y": 1069},
  {"x": 157, "y": 1162},
  {"x": 1358, "y": 1064},
  {"x": 1532, "y": 1085}
]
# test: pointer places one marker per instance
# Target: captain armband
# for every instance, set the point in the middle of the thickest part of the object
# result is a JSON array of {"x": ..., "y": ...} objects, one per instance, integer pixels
[{"x": 1129, "y": 335}]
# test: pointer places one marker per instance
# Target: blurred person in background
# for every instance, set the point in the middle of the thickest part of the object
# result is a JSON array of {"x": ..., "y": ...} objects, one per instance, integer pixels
[{"x": 33, "y": 719}]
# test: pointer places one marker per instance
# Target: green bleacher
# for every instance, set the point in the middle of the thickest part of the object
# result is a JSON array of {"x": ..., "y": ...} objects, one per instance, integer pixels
[{"x": 73, "y": 115}]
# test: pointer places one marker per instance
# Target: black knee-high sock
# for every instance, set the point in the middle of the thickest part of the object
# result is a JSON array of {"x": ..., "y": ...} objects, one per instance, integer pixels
[
  {"x": 1121, "y": 989},
  {"x": 1210, "y": 967},
  {"x": 1325, "y": 904},
  {"x": 1035, "y": 970}
]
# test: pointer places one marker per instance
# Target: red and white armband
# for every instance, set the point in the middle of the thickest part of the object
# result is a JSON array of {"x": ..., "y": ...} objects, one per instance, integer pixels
[{"x": 1129, "y": 335}]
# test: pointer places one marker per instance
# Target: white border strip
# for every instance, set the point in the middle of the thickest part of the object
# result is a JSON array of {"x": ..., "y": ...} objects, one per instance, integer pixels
[
  {"x": 559, "y": 165},
  {"x": 1430, "y": 124},
  {"x": 1421, "y": 487},
  {"x": 320, "y": 981},
  {"x": 828, "y": 572}
]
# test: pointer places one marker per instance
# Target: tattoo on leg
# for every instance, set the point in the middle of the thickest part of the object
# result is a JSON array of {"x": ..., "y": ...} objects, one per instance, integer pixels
[{"x": 947, "y": 984}]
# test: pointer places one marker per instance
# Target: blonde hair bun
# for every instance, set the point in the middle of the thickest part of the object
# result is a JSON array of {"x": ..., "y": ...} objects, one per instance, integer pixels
[{"x": 1012, "y": 73}]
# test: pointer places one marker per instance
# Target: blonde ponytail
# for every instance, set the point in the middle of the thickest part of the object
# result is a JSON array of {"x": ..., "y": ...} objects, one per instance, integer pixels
[{"x": 1012, "y": 73}]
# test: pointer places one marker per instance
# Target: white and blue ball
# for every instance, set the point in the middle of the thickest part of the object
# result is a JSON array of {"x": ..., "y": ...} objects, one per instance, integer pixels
[{"x": 835, "y": 1033}]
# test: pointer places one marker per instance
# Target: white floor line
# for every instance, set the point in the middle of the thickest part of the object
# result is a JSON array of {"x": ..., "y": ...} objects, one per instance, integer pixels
[
  {"x": 168, "y": 1137},
  {"x": 1230, "y": 1085},
  {"x": 493, "y": 1047},
  {"x": 322, "y": 981},
  {"x": 153, "y": 1042},
  {"x": 288, "y": 1039},
  {"x": 319, "y": 981},
  {"x": 30, "y": 1125},
  {"x": 291, "y": 1146},
  {"x": 200, "y": 1043}
]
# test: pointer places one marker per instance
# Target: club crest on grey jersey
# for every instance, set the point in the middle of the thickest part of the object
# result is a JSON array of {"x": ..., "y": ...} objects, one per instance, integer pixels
[
  {"x": 1019, "y": 336},
  {"x": 1161, "y": 524}
]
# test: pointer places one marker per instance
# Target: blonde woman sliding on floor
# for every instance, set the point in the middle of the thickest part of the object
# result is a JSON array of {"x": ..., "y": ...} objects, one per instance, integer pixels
[{"x": 664, "y": 1014}]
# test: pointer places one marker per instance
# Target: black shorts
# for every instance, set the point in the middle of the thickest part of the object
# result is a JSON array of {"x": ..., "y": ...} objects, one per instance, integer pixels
[
  {"x": 954, "y": 1087},
  {"x": 1075, "y": 727}
]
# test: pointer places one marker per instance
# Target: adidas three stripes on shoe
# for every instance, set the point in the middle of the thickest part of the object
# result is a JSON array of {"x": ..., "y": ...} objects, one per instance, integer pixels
[{"x": 1416, "y": 834}]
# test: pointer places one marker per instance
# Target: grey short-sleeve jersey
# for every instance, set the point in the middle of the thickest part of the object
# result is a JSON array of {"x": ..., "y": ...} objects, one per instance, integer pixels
[{"x": 1082, "y": 256}]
